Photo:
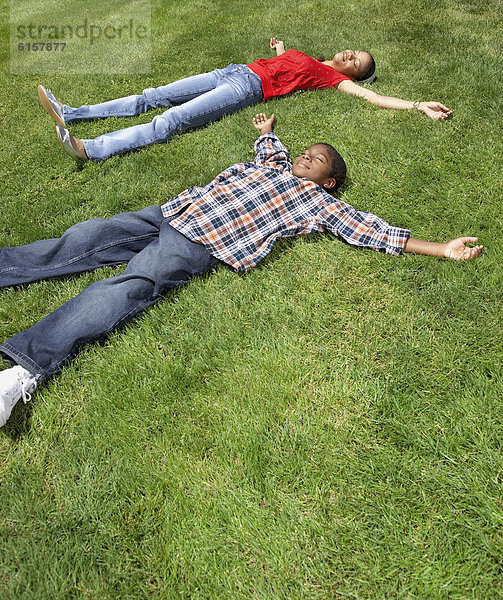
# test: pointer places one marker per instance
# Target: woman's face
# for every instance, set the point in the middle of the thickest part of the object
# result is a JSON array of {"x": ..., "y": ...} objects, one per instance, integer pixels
[{"x": 353, "y": 63}]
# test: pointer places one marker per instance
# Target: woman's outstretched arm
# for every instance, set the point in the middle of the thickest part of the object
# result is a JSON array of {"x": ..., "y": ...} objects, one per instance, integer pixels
[{"x": 434, "y": 110}]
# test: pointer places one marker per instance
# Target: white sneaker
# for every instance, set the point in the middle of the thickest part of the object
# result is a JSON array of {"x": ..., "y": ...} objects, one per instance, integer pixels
[{"x": 15, "y": 383}]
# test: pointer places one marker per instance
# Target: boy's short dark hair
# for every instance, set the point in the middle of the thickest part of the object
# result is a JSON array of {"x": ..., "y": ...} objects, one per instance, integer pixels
[{"x": 338, "y": 170}]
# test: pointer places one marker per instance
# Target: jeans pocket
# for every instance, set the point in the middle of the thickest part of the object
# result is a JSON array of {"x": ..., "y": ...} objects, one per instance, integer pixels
[{"x": 255, "y": 86}]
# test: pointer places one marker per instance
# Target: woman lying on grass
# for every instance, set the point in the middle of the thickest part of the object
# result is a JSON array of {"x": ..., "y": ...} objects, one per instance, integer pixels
[{"x": 200, "y": 99}]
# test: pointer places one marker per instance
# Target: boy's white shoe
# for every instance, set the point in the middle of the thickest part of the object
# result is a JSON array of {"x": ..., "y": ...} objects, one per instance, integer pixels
[{"x": 15, "y": 383}]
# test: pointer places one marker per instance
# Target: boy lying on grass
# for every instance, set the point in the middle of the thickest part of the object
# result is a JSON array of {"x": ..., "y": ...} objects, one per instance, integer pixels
[{"x": 235, "y": 219}]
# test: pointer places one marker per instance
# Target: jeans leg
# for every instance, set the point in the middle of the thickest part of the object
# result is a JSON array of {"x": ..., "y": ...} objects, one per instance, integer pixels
[
  {"x": 83, "y": 247},
  {"x": 182, "y": 90},
  {"x": 129, "y": 106},
  {"x": 160, "y": 97},
  {"x": 235, "y": 90},
  {"x": 166, "y": 262}
]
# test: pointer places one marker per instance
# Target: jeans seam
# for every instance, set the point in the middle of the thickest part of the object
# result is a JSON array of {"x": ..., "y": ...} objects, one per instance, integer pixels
[{"x": 198, "y": 91}]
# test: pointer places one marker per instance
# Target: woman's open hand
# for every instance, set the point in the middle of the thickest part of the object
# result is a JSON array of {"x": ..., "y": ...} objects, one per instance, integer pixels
[
  {"x": 278, "y": 45},
  {"x": 434, "y": 110}
]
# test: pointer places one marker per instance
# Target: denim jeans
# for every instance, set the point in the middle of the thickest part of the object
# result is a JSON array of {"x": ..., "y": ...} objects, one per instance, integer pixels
[
  {"x": 191, "y": 102},
  {"x": 158, "y": 257}
]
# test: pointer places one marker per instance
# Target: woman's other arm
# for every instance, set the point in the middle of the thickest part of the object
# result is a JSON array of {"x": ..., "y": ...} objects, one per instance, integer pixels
[{"x": 278, "y": 45}]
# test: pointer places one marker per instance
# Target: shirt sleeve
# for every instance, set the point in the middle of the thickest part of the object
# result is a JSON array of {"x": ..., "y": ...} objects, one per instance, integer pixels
[
  {"x": 363, "y": 228},
  {"x": 270, "y": 152}
]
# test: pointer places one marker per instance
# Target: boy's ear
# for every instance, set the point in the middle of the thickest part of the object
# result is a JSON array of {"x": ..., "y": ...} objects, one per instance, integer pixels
[{"x": 330, "y": 183}]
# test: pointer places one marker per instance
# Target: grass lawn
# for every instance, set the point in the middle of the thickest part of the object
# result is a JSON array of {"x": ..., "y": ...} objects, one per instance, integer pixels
[{"x": 330, "y": 424}]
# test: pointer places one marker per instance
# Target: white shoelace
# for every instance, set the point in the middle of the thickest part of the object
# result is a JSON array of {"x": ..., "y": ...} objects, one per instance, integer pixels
[{"x": 32, "y": 384}]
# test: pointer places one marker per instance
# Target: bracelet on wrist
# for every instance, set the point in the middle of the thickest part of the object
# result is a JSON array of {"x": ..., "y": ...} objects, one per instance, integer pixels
[{"x": 415, "y": 104}]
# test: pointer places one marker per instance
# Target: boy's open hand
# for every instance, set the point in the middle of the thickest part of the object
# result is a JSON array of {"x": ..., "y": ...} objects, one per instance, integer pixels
[
  {"x": 457, "y": 250},
  {"x": 262, "y": 123}
]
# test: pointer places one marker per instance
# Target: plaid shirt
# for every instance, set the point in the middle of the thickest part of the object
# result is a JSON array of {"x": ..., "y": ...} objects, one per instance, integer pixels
[{"x": 239, "y": 215}]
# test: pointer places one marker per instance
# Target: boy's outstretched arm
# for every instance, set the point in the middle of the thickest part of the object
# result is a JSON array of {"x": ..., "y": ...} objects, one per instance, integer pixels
[
  {"x": 269, "y": 151},
  {"x": 455, "y": 249}
]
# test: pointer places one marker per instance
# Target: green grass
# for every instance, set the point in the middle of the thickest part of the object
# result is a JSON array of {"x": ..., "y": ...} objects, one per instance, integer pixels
[{"x": 327, "y": 426}]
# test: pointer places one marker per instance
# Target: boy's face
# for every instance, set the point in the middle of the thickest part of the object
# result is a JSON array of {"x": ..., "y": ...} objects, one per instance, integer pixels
[{"x": 315, "y": 164}]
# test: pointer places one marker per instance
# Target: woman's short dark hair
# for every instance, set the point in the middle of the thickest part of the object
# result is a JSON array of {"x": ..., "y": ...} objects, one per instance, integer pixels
[
  {"x": 338, "y": 167},
  {"x": 369, "y": 74}
]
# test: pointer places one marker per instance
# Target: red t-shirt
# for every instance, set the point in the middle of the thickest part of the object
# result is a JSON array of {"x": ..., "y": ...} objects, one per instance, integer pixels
[{"x": 293, "y": 70}]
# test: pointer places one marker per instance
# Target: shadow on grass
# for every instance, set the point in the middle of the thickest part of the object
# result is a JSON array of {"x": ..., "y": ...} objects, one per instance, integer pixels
[{"x": 19, "y": 423}]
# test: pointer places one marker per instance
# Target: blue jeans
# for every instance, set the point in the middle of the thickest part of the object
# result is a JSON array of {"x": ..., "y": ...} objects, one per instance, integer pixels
[
  {"x": 191, "y": 102},
  {"x": 158, "y": 256}
]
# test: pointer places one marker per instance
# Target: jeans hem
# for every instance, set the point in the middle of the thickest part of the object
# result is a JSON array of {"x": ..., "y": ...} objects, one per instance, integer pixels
[{"x": 18, "y": 358}]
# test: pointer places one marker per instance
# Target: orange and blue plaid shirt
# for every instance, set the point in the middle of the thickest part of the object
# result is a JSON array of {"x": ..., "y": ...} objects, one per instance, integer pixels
[{"x": 239, "y": 215}]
